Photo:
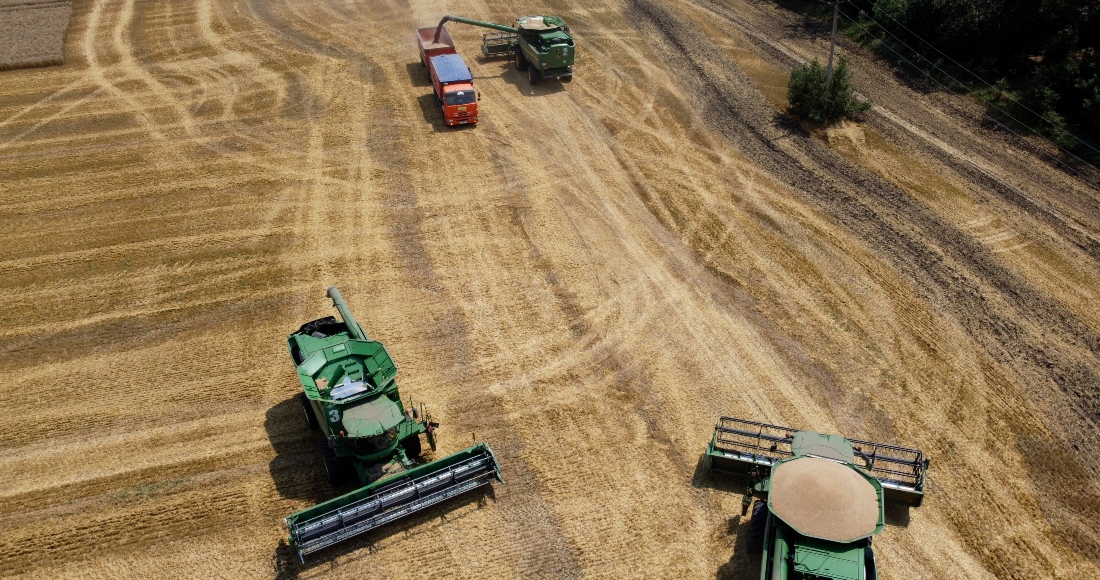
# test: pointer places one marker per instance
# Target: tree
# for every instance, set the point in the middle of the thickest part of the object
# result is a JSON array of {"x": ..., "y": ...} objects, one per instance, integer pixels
[{"x": 813, "y": 101}]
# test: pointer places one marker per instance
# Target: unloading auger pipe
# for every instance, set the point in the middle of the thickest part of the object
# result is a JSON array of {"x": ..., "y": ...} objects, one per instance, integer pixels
[
  {"x": 500, "y": 27},
  {"x": 345, "y": 314}
]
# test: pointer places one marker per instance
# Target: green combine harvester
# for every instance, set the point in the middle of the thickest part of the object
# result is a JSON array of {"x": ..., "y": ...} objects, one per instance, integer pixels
[
  {"x": 350, "y": 395},
  {"x": 540, "y": 45},
  {"x": 822, "y": 497}
]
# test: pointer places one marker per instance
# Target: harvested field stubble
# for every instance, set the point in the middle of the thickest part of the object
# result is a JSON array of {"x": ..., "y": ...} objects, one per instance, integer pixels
[
  {"x": 585, "y": 280},
  {"x": 32, "y": 32}
]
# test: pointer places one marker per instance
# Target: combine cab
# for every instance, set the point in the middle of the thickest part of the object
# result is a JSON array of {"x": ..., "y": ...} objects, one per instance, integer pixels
[
  {"x": 822, "y": 497},
  {"x": 350, "y": 395}
]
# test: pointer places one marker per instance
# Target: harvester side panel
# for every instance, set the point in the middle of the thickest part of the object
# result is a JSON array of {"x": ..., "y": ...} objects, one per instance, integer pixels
[{"x": 381, "y": 502}]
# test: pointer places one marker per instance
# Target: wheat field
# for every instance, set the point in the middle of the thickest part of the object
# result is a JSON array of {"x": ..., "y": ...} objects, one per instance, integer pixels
[{"x": 586, "y": 280}]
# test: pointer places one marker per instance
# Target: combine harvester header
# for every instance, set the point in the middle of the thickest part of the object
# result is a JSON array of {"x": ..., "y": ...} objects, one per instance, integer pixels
[
  {"x": 369, "y": 507},
  {"x": 738, "y": 447},
  {"x": 350, "y": 395}
]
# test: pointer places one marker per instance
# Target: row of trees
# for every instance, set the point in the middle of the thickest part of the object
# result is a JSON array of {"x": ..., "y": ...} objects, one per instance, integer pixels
[{"x": 1042, "y": 56}]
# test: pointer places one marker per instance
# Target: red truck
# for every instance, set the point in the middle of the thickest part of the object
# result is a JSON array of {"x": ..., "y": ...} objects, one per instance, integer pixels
[{"x": 452, "y": 81}]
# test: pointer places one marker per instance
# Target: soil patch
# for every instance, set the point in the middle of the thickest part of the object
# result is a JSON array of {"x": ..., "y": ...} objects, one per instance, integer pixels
[{"x": 32, "y": 32}]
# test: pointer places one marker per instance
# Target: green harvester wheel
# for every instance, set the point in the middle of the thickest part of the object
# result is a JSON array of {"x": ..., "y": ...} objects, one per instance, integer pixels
[{"x": 412, "y": 446}]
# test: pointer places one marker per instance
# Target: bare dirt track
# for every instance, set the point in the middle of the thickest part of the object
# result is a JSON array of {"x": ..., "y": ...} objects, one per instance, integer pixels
[{"x": 586, "y": 280}]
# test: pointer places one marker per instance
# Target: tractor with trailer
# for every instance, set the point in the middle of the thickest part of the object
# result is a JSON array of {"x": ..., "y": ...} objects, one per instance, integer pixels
[
  {"x": 350, "y": 395},
  {"x": 452, "y": 82},
  {"x": 821, "y": 498},
  {"x": 541, "y": 46}
]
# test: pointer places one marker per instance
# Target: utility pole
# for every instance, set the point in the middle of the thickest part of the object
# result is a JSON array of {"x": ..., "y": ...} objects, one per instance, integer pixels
[{"x": 832, "y": 45}]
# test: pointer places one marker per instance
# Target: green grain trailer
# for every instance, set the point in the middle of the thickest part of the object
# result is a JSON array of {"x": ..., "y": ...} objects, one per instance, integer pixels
[
  {"x": 821, "y": 497},
  {"x": 350, "y": 395},
  {"x": 540, "y": 45}
]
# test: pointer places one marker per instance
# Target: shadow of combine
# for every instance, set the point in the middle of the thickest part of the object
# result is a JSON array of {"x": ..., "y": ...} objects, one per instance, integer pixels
[
  {"x": 524, "y": 87},
  {"x": 701, "y": 479},
  {"x": 897, "y": 515},
  {"x": 742, "y": 565},
  {"x": 287, "y": 565},
  {"x": 297, "y": 469}
]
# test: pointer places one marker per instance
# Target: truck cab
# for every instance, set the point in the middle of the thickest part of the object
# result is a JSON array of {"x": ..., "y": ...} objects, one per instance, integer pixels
[{"x": 454, "y": 89}]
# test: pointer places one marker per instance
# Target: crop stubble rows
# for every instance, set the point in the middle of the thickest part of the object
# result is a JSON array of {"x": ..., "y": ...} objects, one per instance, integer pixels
[{"x": 586, "y": 280}]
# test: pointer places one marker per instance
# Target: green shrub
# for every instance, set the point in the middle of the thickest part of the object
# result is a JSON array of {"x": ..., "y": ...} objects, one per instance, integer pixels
[{"x": 810, "y": 100}]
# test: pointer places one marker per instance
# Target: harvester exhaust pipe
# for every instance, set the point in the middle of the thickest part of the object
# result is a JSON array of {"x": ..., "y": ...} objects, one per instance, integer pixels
[{"x": 345, "y": 314}]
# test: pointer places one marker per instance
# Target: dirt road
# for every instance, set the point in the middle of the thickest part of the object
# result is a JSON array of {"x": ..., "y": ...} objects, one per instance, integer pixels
[{"x": 585, "y": 280}]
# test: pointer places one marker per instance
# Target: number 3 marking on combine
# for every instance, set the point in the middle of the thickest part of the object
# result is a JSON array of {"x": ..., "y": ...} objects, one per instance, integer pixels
[{"x": 334, "y": 415}]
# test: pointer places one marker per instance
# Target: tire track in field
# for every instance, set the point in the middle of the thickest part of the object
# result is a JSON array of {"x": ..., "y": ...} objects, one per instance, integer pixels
[
  {"x": 944, "y": 265},
  {"x": 448, "y": 345},
  {"x": 796, "y": 161}
]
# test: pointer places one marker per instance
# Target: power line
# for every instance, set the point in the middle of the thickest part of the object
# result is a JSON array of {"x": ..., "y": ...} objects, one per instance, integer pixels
[
  {"x": 957, "y": 81},
  {"x": 1006, "y": 127},
  {"x": 975, "y": 75},
  {"x": 961, "y": 84}
]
